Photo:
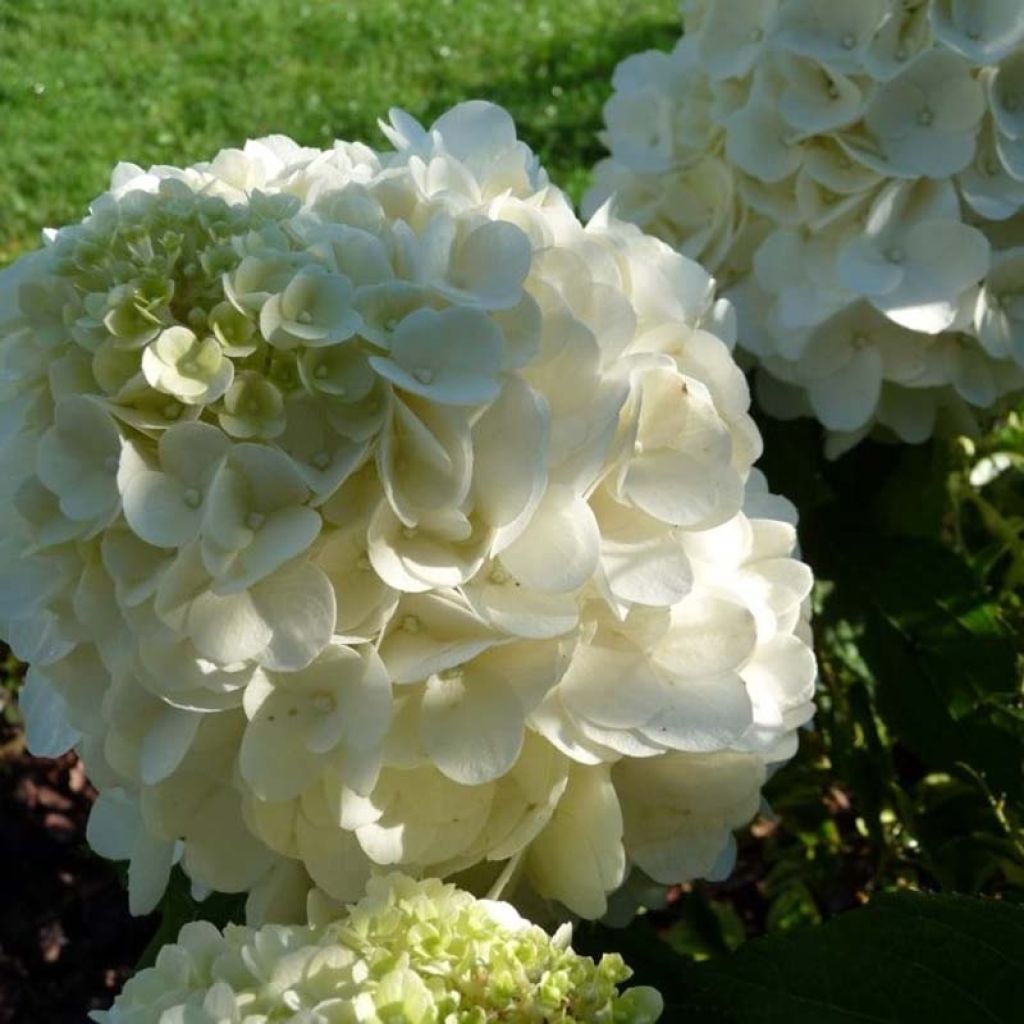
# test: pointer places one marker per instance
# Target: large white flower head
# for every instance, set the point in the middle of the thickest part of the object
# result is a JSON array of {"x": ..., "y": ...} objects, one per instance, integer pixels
[
  {"x": 855, "y": 174},
  {"x": 408, "y": 953},
  {"x": 366, "y": 509}
]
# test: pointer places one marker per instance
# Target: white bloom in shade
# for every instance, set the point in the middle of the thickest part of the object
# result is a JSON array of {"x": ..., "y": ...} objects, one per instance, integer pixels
[
  {"x": 1006, "y": 85},
  {"x": 999, "y": 316},
  {"x": 759, "y": 140},
  {"x": 408, "y": 952},
  {"x": 733, "y": 34},
  {"x": 987, "y": 185},
  {"x": 831, "y": 32},
  {"x": 381, "y": 510},
  {"x": 815, "y": 99},
  {"x": 913, "y": 265},
  {"x": 926, "y": 118},
  {"x": 854, "y": 172},
  {"x": 78, "y": 459},
  {"x": 984, "y": 31}
]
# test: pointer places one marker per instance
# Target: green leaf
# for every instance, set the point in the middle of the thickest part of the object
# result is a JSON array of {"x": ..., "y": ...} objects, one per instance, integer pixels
[
  {"x": 942, "y": 662},
  {"x": 906, "y": 958}
]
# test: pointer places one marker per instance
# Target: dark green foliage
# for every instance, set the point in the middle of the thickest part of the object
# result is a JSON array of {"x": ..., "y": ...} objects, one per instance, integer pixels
[{"x": 903, "y": 959}]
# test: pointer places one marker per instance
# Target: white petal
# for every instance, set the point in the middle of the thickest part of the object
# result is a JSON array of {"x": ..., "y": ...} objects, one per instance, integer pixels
[
  {"x": 282, "y": 537},
  {"x": 297, "y": 602},
  {"x": 114, "y": 824},
  {"x": 432, "y": 633},
  {"x": 651, "y": 570},
  {"x": 219, "y": 851},
  {"x": 472, "y": 725},
  {"x": 334, "y": 859},
  {"x": 847, "y": 399},
  {"x": 157, "y": 511},
  {"x": 703, "y": 714},
  {"x": 613, "y": 688},
  {"x": 510, "y": 445},
  {"x": 559, "y": 550},
  {"x": 491, "y": 264},
  {"x": 578, "y": 858},
  {"x": 48, "y": 732},
  {"x": 708, "y": 635},
  {"x": 149, "y": 872},
  {"x": 166, "y": 743}
]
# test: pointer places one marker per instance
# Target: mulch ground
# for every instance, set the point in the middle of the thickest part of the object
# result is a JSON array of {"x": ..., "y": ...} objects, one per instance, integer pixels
[{"x": 67, "y": 941}]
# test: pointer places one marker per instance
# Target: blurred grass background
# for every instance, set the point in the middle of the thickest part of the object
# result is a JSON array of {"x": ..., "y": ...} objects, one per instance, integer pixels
[{"x": 86, "y": 83}]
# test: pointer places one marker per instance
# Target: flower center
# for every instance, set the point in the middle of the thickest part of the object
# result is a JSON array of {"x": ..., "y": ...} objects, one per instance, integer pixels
[
  {"x": 192, "y": 497},
  {"x": 424, "y": 375},
  {"x": 324, "y": 702},
  {"x": 410, "y": 624},
  {"x": 895, "y": 254},
  {"x": 254, "y": 520},
  {"x": 849, "y": 41},
  {"x": 925, "y": 116}
]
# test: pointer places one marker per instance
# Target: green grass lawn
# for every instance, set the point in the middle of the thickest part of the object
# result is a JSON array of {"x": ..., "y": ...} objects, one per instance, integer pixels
[{"x": 85, "y": 83}]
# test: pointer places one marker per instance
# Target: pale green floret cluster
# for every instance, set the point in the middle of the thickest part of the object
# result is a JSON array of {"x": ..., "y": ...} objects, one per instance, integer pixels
[
  {"x": 205, "y": 302},
  {"x": 408, "y": 953}
]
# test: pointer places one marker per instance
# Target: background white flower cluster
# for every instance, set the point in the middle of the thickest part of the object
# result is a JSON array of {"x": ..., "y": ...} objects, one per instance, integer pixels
[
  {"x": 855, "y": 172},
  {"x": 408, "y": 953},
  {"x": 364, "y": 508}
]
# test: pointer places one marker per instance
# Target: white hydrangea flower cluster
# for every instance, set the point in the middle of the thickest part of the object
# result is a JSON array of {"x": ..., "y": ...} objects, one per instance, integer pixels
[
  {"x": 408, "y": 953},
  {"x": 855, "y": 174},
  {"x": 366, "y": 509}
]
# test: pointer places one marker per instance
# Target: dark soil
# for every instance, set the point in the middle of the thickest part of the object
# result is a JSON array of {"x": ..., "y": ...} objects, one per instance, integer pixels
[{"x": 67, "y": 941}]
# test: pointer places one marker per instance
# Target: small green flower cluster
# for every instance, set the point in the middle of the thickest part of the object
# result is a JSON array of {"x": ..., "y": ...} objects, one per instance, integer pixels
[
  {"x": 411, "y": 952},
  {"x": 151, "y": 287}
]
